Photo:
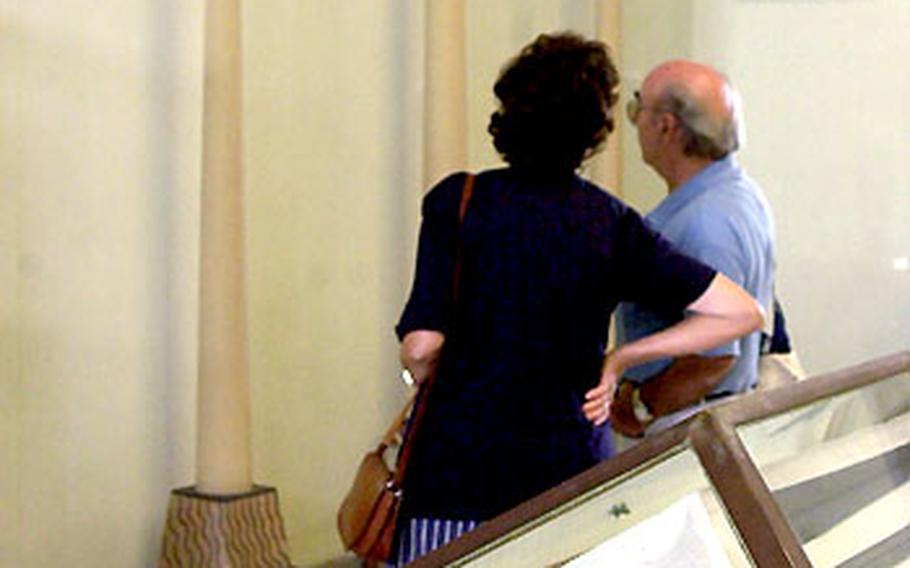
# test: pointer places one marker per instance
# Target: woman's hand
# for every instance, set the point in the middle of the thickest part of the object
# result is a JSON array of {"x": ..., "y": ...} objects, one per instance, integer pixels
[{"x": 598, "y": 400}]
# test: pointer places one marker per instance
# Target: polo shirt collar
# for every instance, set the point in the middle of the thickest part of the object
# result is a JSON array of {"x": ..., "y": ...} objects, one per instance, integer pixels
[{"x": 701, "y": 182}]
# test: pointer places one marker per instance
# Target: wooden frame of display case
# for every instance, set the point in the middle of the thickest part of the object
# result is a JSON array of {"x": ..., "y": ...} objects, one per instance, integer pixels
[{"x": 711, "y": 434}]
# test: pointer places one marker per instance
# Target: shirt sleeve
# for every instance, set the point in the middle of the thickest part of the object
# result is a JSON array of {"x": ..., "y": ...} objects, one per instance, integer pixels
[
  {"x": 712, "y": 240},
  {"x": 428, "y": 306}
]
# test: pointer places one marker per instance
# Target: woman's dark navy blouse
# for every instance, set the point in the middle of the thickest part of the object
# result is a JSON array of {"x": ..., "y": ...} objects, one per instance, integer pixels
[{"x": 544, "y": 264}]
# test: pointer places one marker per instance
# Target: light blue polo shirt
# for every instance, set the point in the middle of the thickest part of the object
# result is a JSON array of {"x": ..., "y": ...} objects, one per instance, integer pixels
[{"x": 720, "y": 217}]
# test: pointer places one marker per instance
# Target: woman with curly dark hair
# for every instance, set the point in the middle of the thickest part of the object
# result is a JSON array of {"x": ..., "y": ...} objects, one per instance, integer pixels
[{"x": 522, "y": 384}]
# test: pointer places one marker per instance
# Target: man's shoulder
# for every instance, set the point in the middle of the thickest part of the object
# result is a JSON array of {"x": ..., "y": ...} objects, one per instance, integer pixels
[
  {"x": 740, "y": 202},
  {"x": 701, "y": 214}
]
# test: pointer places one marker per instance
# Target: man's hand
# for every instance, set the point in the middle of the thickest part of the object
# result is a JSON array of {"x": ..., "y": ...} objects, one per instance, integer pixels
[{"x": 622, "y": 413}]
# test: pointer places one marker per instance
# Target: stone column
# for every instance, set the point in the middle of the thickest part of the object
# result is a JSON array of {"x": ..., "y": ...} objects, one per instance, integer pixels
[
  {"x": 605, "y": 169},
  {"x": 223, "y": 454},
  {"x": 224, "y": 520}
]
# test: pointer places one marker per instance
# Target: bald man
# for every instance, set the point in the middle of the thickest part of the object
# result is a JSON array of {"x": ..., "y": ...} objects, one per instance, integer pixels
[{"x": 689, "y": 125}]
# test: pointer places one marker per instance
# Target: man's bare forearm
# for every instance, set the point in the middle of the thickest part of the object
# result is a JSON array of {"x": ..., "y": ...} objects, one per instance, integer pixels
[{"x": 685, "y": 382}]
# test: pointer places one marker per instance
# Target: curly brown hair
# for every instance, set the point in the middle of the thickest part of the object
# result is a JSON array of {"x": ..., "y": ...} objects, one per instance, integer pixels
[{"x": 555, "y": 101}]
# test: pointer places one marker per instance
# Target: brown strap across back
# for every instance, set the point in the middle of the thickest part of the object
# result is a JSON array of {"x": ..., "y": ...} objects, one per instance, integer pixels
[{"x": 421, "y": 395}]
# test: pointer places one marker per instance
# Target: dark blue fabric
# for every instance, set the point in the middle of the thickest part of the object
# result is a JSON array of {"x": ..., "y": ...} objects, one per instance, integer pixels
[
  {"x": 780, "y": 339},
  {"x": 544, "y": 264}
]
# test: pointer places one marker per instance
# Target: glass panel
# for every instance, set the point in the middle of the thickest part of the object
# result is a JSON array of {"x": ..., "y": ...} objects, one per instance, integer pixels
[
  {"x": 670, "y": 492},
  {"x": 840, "y": 470}
]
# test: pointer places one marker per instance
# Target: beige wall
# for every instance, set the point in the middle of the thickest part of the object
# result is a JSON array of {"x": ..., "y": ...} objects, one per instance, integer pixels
[
  {"x": 99, "y": 187},
  {"x": 99, "y": 128}
]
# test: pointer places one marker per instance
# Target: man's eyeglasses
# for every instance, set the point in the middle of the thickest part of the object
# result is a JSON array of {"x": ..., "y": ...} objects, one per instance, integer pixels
[{"x": 634, "y": 107}]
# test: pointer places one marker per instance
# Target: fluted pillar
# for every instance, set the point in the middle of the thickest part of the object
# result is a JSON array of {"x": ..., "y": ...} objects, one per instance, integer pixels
[
  {"x": 224, "y": 520},
  {"x": 223, "y": 453},
  {"x": 445, "y": 145},
  {"x": 606, "y": 168}
]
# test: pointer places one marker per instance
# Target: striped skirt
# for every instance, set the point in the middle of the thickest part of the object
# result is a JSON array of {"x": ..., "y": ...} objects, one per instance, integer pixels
[{"x": 420, "y": 536}]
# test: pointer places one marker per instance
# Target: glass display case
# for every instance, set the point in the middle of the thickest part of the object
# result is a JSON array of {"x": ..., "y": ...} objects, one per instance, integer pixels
[
  {"x": 839, "y": 469},
  {"x": 813, "y": 473}
]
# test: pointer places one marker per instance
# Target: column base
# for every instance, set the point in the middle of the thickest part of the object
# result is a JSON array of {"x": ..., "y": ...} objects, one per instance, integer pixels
[{"x": 224, "y": 531}]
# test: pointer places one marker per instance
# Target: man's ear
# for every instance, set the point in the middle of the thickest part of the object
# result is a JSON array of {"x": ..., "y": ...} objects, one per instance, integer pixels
[{"x": 667, "y": 123}]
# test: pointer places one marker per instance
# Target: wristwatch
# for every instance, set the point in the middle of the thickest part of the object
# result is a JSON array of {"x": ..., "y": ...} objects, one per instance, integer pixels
[{"x": 639, "y": 408}]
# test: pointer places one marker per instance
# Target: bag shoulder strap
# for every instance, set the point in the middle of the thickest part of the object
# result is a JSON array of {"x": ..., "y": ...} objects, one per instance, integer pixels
[
  {"x": 466, "y": 193},
  {"x": 418, "y": 399},
  {"x": 397, "y": 426}
]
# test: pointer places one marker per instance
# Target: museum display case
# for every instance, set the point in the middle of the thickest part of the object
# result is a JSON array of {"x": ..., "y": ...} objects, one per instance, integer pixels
[
  {"x": 813, "y": 473},
  {"x": 839, "y": 470}
]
